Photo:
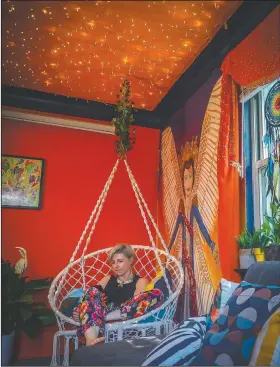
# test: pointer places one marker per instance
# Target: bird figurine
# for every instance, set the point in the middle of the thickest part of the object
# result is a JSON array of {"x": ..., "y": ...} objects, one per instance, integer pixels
[{"x": 21, "y": 264}]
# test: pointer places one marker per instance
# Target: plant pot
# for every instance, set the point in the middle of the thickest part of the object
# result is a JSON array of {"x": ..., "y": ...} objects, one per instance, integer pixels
[
  {"x": 259, "y": 254},
  {"x": 7, "y": 348},
  {"x": 272, "y": 252},
  {"x": 246, "y": 258}
]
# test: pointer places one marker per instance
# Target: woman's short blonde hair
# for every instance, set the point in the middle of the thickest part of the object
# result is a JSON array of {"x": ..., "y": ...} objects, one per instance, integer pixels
[{"x": 123, "y": 249}]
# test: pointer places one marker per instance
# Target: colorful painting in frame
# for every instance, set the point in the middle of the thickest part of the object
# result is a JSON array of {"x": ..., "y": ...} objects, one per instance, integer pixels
[{"x": 21, "y": 182}]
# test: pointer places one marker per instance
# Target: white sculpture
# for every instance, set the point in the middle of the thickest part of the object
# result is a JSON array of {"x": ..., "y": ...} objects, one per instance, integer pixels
[{"x": 21, "y": 264}]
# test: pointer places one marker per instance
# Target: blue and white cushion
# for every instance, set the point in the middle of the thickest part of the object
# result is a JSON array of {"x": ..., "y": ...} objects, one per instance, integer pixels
[
  {"x": 181, "y": 346},
  {"x": 230, "y": 340}
]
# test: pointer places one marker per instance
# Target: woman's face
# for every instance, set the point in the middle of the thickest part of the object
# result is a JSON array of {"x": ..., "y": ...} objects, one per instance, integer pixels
[
  {"x": 188, "y": 181},
  {"x": 121, "y": 265}
]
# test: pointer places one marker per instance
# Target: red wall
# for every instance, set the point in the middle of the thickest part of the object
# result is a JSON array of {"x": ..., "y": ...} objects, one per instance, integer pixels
[{"x": 77, "y": 165}]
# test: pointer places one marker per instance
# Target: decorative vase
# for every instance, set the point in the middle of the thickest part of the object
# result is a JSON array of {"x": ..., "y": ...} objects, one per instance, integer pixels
[
  {"x": 272, "y": 252},
  {"x": 259, "y": 254},
  {"x": 7, "y": 348},
  {"x": 246, "y": 258}
]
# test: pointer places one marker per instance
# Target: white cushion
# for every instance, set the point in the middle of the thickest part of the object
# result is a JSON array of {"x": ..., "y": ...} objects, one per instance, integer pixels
[
  {"x": 227, "y": 288},
  {"x": 113, "y": 315}
]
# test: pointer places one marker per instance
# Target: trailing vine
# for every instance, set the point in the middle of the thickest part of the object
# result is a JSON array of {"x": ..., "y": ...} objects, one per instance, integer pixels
[{"x": 124, "y": 120}]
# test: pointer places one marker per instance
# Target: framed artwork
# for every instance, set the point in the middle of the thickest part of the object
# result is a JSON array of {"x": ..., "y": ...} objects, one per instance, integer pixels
[{"x": 21, "y": 182}]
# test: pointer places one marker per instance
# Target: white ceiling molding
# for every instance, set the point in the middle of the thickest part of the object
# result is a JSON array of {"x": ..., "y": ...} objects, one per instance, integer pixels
[{"x": 58, "y": 122}]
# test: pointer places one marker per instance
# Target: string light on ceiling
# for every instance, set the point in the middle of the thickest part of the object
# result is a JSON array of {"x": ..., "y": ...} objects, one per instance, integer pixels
[{"x": 84, "y": 49}]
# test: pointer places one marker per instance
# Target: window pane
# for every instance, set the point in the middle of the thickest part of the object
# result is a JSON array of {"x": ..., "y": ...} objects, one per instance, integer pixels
[
  {"x": 248, "y": 167},
  {"x": 258, "y": 153},
  {"x": 264, "y": 94},
  {"x": 256, "y": 127},
  {"x": 265, "y": 199}
]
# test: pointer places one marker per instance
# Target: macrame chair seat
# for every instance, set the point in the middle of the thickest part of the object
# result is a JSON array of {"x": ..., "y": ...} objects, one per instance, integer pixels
[{"x": 89, "y": 269}]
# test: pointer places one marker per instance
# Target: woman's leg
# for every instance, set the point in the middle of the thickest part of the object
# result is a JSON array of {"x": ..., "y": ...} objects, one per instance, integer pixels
[
  {"x": 142, "y": 304},
  {"x": 92, "y": 310}
]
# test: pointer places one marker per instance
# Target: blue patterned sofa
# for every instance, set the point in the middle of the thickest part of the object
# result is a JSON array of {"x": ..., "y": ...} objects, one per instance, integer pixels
[{"x": 134, "y": 352}]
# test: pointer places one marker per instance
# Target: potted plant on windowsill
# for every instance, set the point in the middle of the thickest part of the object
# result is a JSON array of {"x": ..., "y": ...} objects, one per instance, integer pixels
[
  {"x": 249, "y": 248},
  {"x": 19, "y": 310},
  {"x": 246, "y": 257},
  {"x": 270, "y": 234},
  {"x": 256, "y": 246}
]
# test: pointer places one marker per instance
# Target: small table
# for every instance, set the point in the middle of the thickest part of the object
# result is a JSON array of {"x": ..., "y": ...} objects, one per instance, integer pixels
[{"x": 241, "y": 272}]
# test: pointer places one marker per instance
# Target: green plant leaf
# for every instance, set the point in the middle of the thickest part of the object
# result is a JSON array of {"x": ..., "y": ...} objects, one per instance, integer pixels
[
  {"x": 270, "y": 229},
  {"x": 26, "y": 297},
  {"x": 46, "y": 316},
  {"x": 32, "y": 327},
  {"x": 244, "y": 240},
  {"x": 38, "y": 284},
  {"x": 19, "y": 311},
  {"x": 32, "y": 305},
  {"x": 123, "y": 121},
  {"x": 25, "y": 314}
]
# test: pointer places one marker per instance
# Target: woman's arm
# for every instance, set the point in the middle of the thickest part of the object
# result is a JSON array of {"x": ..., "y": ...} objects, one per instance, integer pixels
[
  {"x": 103, "y": 282},
  {"x": 141, "y": 286}
]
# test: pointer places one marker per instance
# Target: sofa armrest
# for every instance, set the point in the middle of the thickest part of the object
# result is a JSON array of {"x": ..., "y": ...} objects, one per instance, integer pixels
[{"x": 264, "y": 273}]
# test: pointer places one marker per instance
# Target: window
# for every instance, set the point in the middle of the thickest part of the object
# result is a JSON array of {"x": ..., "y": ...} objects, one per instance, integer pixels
[{"x": 256, "y": 157}]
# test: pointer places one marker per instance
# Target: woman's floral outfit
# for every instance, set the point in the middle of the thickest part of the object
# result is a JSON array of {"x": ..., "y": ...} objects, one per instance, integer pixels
[{"x": 93, "y": 308}]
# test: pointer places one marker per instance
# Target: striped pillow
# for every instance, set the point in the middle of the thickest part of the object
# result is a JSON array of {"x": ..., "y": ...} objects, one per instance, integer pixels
[{"x": 181, "y": 346}]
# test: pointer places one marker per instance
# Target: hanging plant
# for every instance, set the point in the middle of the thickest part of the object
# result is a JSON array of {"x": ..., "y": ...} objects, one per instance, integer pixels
[{"x": 124, "y": 120}]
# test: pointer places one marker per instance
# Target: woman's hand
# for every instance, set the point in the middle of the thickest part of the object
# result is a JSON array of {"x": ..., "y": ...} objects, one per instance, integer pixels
[{"x": 76, "y": 314}]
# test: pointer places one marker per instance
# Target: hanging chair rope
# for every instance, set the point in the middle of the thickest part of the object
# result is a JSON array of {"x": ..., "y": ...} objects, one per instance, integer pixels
[
  {"x": 100, "y": 203},
  {"x": 108, "y": 184},
  {"x": 93, "y": 221},
  {"x": 89, "y": 268},
  {"x": 139, "y": 196},
  {"x": 98, "y": 208},
  {"x": 146, "y": 206}
]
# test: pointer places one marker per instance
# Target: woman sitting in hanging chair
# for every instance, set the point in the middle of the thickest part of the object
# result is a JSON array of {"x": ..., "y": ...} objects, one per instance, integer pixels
[{"x": 124, "y": 291}]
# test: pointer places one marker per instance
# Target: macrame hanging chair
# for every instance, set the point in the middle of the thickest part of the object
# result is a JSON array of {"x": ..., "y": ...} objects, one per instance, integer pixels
[{"x": 87, "y": 270}]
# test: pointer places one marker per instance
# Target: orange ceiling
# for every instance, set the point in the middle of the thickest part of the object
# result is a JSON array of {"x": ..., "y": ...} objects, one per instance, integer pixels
[{"x": 84, "y": 49}]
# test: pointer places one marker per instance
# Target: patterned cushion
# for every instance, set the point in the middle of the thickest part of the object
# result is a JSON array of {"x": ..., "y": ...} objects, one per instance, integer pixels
[
  {"x": 180, "y": 346},
  {"x": 160, "y": 283},
  {"x": 215, "y": 308},
  {"x": 231, "y": 339},
  {"x": 266, "y": 351},
  {"x": 221, "y": 297},
  {"x": 70, "y": 301},
  {"x": 227, "y": 289}
]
